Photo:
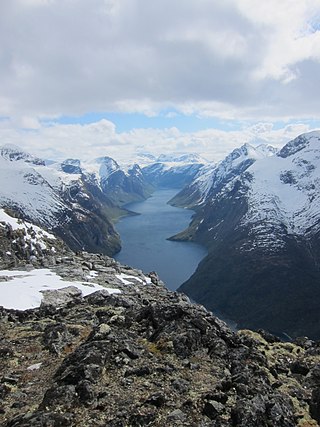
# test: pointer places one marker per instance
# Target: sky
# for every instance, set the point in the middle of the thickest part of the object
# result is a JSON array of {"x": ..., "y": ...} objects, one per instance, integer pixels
[{"x": 82, "y": 79}]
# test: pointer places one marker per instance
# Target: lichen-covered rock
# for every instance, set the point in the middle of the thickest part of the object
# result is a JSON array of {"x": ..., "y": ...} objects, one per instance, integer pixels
[
  {"x": 54, "y": 298},
  {"x": 315, "y": 404},
  {"x": 147, "y": 357}
]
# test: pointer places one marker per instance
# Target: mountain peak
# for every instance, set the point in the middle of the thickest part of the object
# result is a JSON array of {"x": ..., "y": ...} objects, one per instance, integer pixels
[
  {"x": 71, "y": 166},
  {"x": 266, "y": 150},
  {"x": 246, "y": 150},
  {"x": 107, "y": 166},
  {"x": 108, "y": 162},
  {"x": 134, "y": 169},
  {"x": 13, "y": 153},
  {"x": 255, "y": 152},
  {"x": 299, "y": 143}
]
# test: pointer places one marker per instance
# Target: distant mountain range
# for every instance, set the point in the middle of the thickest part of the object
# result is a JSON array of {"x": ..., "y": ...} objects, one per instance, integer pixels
[{"x": 145, "y": 159}]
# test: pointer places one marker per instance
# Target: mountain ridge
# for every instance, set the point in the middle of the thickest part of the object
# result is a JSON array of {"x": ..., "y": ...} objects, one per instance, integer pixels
[
  {"x": 212, "y": 177},
  {"x": 262, "y": 232}
]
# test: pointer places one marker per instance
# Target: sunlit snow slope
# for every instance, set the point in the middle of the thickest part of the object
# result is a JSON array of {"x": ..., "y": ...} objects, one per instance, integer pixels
[{"x": 261, "y": 226}]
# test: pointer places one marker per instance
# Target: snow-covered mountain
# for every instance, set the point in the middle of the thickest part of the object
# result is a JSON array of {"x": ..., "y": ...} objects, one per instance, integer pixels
[
  {"x": 283, "y": 194},
  {"x": 212, "y": 177},
  {"x": 77, "y": 211},
  {"x": 173, "y": 171},
  {"x": 12, "y": 153},
  {"x": 121, "y": 185},
  {"x": 145, "y": 159},
  {"x": 180, "y": 158},
  {"x": 26, "y": 191},
  {"x": 261, "y": 227}
]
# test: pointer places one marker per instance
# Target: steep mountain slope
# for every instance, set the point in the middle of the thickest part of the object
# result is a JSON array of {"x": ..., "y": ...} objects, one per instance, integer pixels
[
  {"x": 262, "y": 232},
  {"x": 12, "y": 153},
  {"x": 122, "y": 185},
  {"x": 58, "y": 201},
  {"x": 212, "y": 177}
]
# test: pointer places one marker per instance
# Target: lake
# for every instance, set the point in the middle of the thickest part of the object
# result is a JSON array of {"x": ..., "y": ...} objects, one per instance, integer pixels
[{"x": 144, "y": 244}]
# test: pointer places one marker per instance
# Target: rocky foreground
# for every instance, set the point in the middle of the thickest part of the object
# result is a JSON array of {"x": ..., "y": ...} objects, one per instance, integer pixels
[{"x": 146, "y": 357}]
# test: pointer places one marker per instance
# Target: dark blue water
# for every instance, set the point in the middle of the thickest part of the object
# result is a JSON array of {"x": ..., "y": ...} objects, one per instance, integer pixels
[{"x": 144, "y": 244}]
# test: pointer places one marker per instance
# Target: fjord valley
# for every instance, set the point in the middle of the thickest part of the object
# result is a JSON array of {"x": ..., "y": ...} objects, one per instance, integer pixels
[
  {"x": 159, "y": 213},
  {"x": 89, "y": 340},
  {"x": 256, "y": 218},
  {"x": 83, "y": 202},
  {"x": 145, "y": 244}
]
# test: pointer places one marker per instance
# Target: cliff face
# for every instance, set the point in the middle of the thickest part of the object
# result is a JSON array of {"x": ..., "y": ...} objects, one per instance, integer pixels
[{"x": 145, "y": 357}]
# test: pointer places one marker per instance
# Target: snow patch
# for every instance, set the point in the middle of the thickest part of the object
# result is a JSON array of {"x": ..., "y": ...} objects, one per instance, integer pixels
[
  {"x": 283, "y": 196},
  {"x": 126, "y": 279},
  {"x": 21, "y": 290},
  {"x": 18, "y": 224}
]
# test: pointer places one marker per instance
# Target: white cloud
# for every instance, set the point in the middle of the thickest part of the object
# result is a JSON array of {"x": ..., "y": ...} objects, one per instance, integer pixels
[
  {"x": 234, "y": 60},
  {"x": 59, "y": 142},
  {"x": 288, "y": 33},
  {"x": 237, "y": 58}
]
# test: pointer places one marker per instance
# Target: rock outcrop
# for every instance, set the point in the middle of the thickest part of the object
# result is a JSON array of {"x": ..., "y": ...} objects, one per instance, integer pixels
[
  {"x": 146, "y": 357},
  {"x": 28, "y": 245}
]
